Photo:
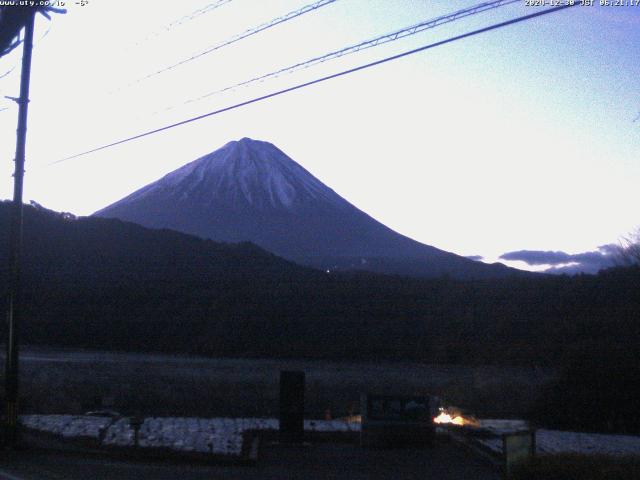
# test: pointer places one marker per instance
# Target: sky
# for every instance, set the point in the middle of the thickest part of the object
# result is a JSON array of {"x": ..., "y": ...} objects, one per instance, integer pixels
[{"x": 519, "y": 143}]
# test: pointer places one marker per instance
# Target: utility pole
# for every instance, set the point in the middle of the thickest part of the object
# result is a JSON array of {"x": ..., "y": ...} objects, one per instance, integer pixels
[{"x": 14, "y": 311}]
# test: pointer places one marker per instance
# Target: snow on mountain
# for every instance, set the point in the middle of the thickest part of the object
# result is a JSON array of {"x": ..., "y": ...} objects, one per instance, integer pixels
[
  {"x": 245, "y": 171},
  {"x": 251, "y": 190}
]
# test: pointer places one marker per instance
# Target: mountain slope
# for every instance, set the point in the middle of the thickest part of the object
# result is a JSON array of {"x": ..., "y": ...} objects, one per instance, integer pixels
[
  {"x": 251, "y": 191},
  {"x": 112, "y": 285}
]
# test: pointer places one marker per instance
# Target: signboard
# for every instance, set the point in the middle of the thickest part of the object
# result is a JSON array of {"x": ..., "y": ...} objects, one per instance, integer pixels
[{"x": 517, "y": 447}]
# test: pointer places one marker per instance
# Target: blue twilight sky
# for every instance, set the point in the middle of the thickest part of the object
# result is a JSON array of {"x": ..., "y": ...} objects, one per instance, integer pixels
[{"x": 519, "y": 140}]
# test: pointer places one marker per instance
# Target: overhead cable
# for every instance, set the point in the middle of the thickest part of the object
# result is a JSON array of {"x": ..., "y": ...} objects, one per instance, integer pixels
[
  {"x": 236, "y": 38},
  {"x": 186, "y": 18},
  {"x": 373, "y": 42},
  {"x": 322, "y": 79}
]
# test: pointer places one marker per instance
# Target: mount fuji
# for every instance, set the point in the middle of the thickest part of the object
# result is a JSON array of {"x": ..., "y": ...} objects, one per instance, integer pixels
[{"x": 250, "y": 190}]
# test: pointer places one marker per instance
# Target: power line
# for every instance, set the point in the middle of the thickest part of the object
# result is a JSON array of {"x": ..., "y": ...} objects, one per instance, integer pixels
[
  {"x": 186, "y": 18},
  {"x": 14, "y": 16},
  {"x": 9, "y": 71},
  {"x": 35, "y": 45},
  {"x": 373, "y": 42},
  {"x": 15, "y": 65},
  {"x": 247, "y": 33},
  {"x": 322, "y": 79},
  {"x": 197, "y": 13}
]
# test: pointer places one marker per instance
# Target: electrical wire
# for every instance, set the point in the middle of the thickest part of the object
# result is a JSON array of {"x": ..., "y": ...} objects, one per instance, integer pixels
[
  {"x": 186, "y": 18},
  {"x": 15, "y": 65},
  {"x": 11, "y": 26},
  {"x": 197, "y": 13},
  {"x": 8, "y": 72},
  {"x": 35, "y": 44},
  {"x": 236, "y": 38},
  {"x": 322, "y": 79},
  {"x": 373, "y": 42}
]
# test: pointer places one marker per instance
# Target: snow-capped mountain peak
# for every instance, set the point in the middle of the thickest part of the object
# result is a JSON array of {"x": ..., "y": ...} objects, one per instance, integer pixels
[
  {"x": 247, "y": 171},
  {"x": 250, "y": 190}
]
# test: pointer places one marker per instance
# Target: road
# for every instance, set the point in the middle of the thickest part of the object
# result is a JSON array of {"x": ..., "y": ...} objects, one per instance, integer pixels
[{"x": 321, "y": 461}]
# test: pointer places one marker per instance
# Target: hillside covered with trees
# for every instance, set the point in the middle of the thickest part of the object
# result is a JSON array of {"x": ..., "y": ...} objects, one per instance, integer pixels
[{"x": 112, "y": 285}]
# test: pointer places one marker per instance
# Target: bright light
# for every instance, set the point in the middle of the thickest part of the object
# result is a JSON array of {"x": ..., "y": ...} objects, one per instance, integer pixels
[{"x": 446, "y": 418}]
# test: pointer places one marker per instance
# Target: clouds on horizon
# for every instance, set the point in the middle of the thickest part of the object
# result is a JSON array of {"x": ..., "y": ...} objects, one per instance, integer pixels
[{"x": 561, "y": 262}]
